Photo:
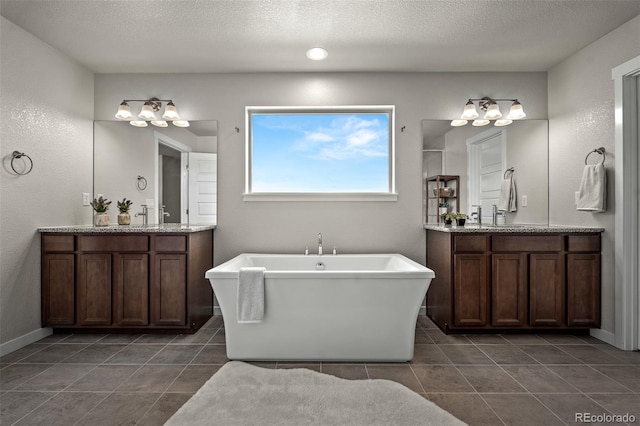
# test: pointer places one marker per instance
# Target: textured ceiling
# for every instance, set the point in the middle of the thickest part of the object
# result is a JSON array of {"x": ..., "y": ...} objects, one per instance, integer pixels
[{"x": 184, "y": 36}]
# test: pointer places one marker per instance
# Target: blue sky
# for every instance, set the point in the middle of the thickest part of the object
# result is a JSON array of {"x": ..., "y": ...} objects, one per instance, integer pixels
[{"x": 320, "y": 152}]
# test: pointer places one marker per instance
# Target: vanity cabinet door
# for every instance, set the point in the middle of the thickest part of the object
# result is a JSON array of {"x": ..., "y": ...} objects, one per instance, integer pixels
[
  {"x": 470, "y": 289},
  {"x": 169, "y": 289},
  {"x": 509, "y": 290},
  {"x": 94, "y": 289},
  {"x": 583, "y": 289},
  {"x": 131, "y": 289},
  {"x": 58, "y": 289},
  {"x": 546, "y": 284}
]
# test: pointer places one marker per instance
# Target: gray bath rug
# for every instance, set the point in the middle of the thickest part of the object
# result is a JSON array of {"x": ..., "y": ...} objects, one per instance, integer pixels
[{"x": 243, "y": 394}]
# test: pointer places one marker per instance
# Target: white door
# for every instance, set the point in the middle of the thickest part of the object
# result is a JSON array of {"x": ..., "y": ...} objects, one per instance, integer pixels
[
  {"x": 486, "y": 162},
  {"x": 203, "y": 188}
]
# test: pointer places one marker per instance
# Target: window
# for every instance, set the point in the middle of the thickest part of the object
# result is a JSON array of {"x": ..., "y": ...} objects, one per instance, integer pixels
[{"x": 320, "y": 153}]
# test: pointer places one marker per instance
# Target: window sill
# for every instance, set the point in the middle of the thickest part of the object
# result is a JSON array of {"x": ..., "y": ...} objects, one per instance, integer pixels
[{"x": 303, "y": 196}]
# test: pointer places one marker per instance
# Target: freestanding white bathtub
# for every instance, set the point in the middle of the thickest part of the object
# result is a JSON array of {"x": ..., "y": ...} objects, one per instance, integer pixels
[{"x": 325, "y": 308}]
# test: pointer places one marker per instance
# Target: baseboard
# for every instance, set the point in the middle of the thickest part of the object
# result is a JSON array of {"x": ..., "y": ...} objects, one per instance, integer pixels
[
  {"x": 24, "y": 340},
  {"x": 605, "y": 336}
]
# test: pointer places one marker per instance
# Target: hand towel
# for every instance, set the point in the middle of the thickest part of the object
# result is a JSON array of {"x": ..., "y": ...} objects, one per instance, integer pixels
[
  {"x": 592, "y": 193},
  {"x": 508, "y": 195},
  {"x": 250, "y": 295}
]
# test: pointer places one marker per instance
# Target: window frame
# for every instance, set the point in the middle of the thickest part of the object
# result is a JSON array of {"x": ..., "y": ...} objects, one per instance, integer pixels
[{"x": 250, "y": 195}]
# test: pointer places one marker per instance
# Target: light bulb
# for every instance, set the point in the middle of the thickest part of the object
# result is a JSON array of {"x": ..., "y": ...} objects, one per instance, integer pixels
[
  {"x": 493, "y": 112},
  {"x": 170, "y": 112},
  {"x": 503, "y": 122},
  {"x": 516, "y": 112},
  {"x": 317, "y": 53},
  {"x": 147, "y": 112},
  {"x": 458, "y": 123},
  {"x": 469, "y": 112},
  {"x": 180, "y": 123},
  {"x": 138, "y": 123},
  {"x": 124, "y": 112},
  {"x": 159, "y": 123},
  {"x": 479, "y": 123}
]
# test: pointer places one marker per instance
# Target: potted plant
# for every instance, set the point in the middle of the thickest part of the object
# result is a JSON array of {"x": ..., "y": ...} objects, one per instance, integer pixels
[
  {"x": 443, "y": 207},
  {"x": 461, "y": 218},
  {"x": 100, "y": 206},
  {"x": 448, "y": 218},
  {"x": 124, "y": 218}
]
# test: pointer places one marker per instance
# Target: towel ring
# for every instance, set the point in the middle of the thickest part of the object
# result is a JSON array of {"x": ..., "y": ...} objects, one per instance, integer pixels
[
  {"x": 597, "y": 151},
  {"x": 510, "y": 169},
  {"x": 142, "y": 183},
  {"x": 17, "y": 154}
]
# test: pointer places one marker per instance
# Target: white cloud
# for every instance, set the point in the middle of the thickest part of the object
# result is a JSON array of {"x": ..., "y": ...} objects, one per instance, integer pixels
[{"x": 348, "y": 137}]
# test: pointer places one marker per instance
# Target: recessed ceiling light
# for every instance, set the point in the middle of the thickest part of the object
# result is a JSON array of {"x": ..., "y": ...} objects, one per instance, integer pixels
[{"x": 317, "y": 53}]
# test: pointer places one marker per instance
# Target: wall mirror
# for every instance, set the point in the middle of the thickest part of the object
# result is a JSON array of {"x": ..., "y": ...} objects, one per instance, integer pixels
[
  {"x": 480, "y": 156},
  {"x": 169, "y": 169}
]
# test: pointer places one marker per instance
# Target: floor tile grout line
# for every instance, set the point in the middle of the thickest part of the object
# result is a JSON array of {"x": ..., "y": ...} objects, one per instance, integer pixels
[
  {"x": 580, "y": 391},
  {"x": 40, "y": 405}
]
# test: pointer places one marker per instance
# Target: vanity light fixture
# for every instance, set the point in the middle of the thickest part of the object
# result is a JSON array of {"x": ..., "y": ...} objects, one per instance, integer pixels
[
  {"x": 148, "y": 113},
  {"x": 492, "y": 112}
]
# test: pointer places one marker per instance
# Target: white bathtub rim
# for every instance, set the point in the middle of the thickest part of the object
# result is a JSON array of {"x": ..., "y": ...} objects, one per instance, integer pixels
[{"x": 230, "y": 268}]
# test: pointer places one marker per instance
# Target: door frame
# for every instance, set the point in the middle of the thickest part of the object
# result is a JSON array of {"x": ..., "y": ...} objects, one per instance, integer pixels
[
  {"x": 160, "y": 138},
  {"x": 473, "y": 160},
  {"x": 627, "y": 253}
]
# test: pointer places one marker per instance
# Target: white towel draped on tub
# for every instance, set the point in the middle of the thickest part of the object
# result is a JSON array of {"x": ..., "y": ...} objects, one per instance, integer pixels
[
  {"x": 508, "y": 195},
  {"x": 250, "y": 294},
  {"x": 592, "y": 193}
]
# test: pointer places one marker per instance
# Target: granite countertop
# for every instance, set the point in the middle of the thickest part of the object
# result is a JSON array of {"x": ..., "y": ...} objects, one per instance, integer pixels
[
  {"x": 90, "y": 229},
  {"x": 513, "y": 229}
]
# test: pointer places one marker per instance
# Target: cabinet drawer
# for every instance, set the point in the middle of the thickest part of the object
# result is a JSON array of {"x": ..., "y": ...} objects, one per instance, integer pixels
[
  {"x": 57, "y": 243},
  {"x": 530, "y": 243},
  {"x": 470, "y": 243},
  {"x": 106, "y": 243},
  {"x": 583, "y": 243},
  {"x": 171, "y": 243}
]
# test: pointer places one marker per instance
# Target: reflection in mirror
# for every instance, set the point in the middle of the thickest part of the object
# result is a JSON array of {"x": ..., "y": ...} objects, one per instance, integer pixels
[
  {"x": 481, "y": 156},
  {"x": 178, "y": 167}
]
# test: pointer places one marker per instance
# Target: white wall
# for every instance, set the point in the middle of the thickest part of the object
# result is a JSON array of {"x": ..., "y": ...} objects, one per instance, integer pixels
[
  {"x": 351, "y": 226},
  {"x": 581, "y": 118},
  {"x": 47, "y": 112}
]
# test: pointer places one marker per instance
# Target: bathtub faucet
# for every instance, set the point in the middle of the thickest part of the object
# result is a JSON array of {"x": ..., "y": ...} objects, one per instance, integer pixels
[{"x": 319, "y": 244}]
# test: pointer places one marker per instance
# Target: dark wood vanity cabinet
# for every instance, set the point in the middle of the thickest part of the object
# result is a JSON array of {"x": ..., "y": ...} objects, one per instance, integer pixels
[
  {"x": 135, "y": 282},
  {"x": 496, "y": 282}
]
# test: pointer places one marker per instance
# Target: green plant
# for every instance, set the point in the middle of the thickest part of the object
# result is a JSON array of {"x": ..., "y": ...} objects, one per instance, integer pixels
[
  {"x": 124, "y": 205},
  {"x": 100, "y": 205},
  {"x": 444, "y": 204},
  {"x": 461, "y": 215},
  {"x": 448, "y": 217}
]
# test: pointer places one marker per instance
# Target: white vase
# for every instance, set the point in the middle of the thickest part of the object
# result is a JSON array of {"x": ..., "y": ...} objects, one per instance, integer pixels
[
  {"x": 101, "y": 219},
  {"x": 124, "y": 219}
]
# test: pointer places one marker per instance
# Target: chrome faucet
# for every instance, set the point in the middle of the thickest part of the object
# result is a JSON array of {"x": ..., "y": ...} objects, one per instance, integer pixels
[
  {"x": 319, "y": 244},
  {"x": 162, "y": 214},
  {"x": 496, "y": 214},
  {"x": 144, "y": 213},
  {"x": 478, "y": 213}
]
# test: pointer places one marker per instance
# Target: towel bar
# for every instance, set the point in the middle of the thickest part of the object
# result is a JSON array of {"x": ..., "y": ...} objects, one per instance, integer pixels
[{"x": 600, "y": 151}]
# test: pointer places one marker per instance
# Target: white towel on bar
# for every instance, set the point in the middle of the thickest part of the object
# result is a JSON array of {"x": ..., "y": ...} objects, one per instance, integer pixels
[
  {"x": 508, "y": 195},
  {"x": 250, "y": 294},
  {"x": 592, "y": 193}
]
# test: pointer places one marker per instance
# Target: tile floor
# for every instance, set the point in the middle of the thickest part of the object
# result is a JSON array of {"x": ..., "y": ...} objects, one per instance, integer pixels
[{"x": 484, "y": 380}]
